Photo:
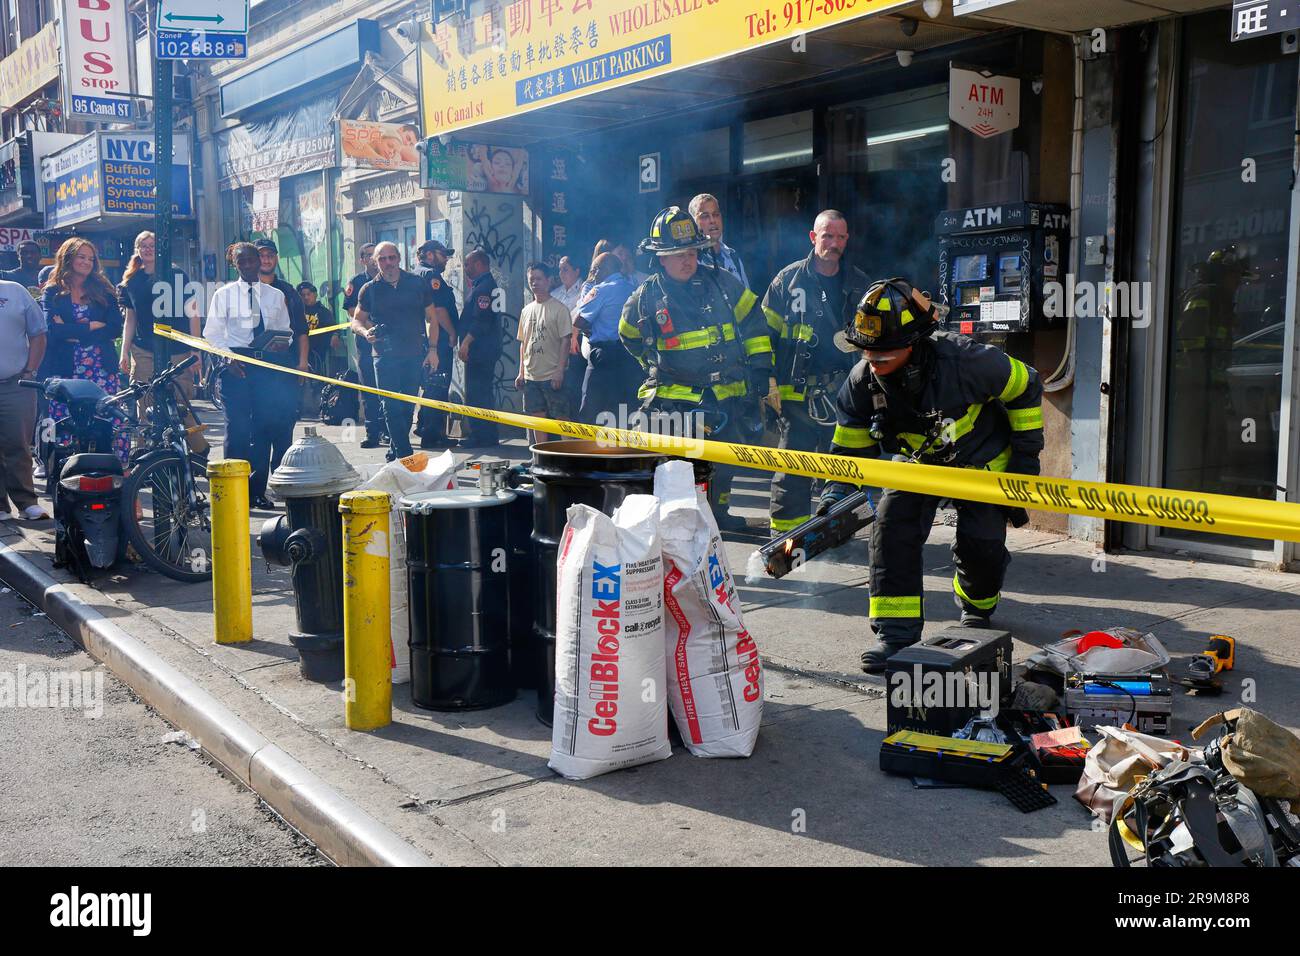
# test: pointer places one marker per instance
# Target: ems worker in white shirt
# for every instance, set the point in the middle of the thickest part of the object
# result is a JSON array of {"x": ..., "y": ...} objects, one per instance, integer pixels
[{"x": 239, "y": 314}]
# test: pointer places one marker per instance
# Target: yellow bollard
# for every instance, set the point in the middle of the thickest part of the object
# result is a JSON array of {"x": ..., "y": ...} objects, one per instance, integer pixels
[
  {"x": 232, "y": 552},
  {"x": 367, "y": 671}
]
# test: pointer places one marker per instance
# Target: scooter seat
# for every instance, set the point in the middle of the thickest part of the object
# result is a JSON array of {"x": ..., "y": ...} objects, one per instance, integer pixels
[
  {"x": 88, "y": 462},
  {"x": 71, "y": 390}
]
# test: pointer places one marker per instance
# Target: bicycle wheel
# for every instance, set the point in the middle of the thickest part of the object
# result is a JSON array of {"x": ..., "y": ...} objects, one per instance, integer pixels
[{"x": 168, "y": 521}]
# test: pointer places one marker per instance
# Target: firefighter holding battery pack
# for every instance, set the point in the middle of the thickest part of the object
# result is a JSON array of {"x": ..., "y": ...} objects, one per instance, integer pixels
[
  {"x": 940, "y": 399},
  {"x": 704, "y": 341},
  {"x": 810, "y": 301}
]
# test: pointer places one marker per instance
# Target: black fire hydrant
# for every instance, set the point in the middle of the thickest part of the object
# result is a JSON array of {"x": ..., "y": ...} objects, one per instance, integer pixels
[{"x": 309, "y": 538}]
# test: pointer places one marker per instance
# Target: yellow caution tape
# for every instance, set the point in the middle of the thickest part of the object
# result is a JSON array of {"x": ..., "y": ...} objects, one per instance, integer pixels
[
  {"x": 1186, "y": 510},
  {"x": 329, "y": 328}
]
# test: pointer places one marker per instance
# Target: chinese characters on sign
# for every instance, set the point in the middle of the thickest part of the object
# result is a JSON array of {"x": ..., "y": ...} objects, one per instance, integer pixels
[
  {"x": 1257, "y": 18},
  {"x": 511, "y": 56}
]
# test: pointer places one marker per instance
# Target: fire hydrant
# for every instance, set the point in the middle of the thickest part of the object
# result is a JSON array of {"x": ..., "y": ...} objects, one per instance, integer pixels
[{"x": 309, "y": 538}]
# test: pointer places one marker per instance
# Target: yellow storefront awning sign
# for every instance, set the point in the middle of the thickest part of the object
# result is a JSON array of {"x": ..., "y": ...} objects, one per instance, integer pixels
[{"x": 523, "y": 55}]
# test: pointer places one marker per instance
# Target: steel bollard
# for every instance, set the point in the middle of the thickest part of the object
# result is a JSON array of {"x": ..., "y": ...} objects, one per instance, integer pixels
[
  {"x": 232, "y": 553},
  {"x": 367, "y": 625}
]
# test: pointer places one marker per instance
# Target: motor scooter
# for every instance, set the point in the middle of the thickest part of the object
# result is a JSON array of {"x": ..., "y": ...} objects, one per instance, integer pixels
[{"x": 84, "y": 479}]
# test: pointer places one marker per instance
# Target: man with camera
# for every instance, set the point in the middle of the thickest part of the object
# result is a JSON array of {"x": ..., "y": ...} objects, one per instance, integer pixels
[{"x": 395, "y": 312}]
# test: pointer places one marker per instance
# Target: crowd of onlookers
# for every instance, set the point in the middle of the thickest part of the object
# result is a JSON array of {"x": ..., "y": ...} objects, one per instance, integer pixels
[{"x": 68, "y": 320}]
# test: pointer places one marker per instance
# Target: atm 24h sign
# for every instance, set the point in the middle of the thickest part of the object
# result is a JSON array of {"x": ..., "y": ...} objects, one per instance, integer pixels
[{"x": 986, "y": 104}]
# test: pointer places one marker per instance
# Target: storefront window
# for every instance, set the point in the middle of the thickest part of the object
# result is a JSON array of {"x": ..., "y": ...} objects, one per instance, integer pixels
[
  {"x": 780, "y": 142},
  {"x": 1231, "y": 236},
  {"x": 703, "y": 154},
  {"x": 887, "y": 153}
]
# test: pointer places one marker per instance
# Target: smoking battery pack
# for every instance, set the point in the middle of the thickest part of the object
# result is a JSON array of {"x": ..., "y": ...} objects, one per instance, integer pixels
[
  {"x": 1144, "y": 700},
  {"x": 936, "y": 686}
]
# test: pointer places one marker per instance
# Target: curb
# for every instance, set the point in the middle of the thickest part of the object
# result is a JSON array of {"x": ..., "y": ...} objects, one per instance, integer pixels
[{"x": 341, "y": 830}]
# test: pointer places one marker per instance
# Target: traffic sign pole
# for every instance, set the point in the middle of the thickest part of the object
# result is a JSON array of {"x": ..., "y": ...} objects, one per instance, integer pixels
[{"x": 162, "y": 154}]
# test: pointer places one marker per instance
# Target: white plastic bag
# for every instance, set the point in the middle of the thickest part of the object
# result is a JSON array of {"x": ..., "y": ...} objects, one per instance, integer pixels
[
  {"x": 398, "y": 480},
  {"x": 715, "y": 678},
  {"x": 610, "y": 710}
]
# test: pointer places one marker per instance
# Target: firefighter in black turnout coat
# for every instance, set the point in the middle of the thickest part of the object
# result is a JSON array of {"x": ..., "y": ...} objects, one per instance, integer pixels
[
  {"x": 939, "y": 399},
  {"x": 703, "y": 339},
  {"x": 810, "y": 301}
]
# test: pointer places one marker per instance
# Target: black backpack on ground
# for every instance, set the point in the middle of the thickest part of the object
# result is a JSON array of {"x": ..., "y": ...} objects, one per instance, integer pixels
[{"x": 338, "y": 403}]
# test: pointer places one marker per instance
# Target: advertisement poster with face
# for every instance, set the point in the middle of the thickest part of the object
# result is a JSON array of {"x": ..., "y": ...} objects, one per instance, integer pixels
[{"x": 378, "y": 145}]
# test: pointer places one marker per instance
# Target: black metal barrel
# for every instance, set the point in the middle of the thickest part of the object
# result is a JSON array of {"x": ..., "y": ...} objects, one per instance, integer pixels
[
  {"x": 567, "y": 473},
  {"x": 523, "y": 589},
  {"x": 457, "y": 551}
]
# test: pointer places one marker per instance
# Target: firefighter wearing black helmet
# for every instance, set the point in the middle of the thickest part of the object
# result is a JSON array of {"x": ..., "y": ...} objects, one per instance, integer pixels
[
  {"x": 940, "y": 399},
  {"x": 704, "y": 341}
]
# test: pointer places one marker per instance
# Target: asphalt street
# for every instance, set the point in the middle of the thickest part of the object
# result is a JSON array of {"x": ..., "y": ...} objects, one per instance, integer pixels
[{"x": 93, "y": 777}]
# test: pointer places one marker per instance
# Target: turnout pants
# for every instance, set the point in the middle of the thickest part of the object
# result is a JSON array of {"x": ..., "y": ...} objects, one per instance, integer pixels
[
  {"x": 898, "y": 536},
  {"x": 791, "y": 503},
  {"x": 691, "y": 416}
]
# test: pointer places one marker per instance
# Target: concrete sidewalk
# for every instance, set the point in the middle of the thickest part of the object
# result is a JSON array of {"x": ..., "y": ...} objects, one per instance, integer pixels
[{"x": 473, "y": 788}]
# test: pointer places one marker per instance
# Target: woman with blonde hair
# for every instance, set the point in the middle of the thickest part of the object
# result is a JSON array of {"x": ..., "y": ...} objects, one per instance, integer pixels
[
  {"x": 147, "y": 300},
  {"x": 84, "y": 320}
]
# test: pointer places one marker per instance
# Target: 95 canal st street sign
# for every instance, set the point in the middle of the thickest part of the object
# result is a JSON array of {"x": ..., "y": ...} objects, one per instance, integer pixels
[{"x": 202, "y": 30}]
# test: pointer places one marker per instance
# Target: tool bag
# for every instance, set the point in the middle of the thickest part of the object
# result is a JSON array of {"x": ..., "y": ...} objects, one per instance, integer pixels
[
  {"x": 1200, "y": 811},
  {"x": 1258, "y": 752},
  {"x": 338, "y": 403}
]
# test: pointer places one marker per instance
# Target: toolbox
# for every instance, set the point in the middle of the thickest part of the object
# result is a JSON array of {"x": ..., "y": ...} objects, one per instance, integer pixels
[
  {"x": 1146, "y": 701},
  {"x": 936, "y": 686},
  {"x": 973, "y": 763},
  {"x": 1054, "y": 763}
]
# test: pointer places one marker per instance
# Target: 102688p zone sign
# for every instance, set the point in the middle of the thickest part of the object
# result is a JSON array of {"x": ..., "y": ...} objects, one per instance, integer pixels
[{"x": 202, "y": 30}]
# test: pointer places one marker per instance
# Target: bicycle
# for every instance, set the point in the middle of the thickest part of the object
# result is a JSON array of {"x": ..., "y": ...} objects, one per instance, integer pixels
[
  {"x": 165, "y": 497},
  {"x": 210, "y": 383}
]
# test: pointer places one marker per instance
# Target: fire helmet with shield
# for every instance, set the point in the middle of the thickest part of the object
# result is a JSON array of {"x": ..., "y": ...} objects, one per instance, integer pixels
[
  {"x": 892, "y": 315},
  {"x": 673, "y": 231}
]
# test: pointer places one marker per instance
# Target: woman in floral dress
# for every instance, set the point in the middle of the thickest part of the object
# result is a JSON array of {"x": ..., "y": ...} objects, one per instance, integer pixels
[{"x": 84, "y": 321}]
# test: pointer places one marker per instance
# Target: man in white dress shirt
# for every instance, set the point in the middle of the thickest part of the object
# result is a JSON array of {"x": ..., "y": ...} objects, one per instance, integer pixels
[{"x": 239, "y": 314}]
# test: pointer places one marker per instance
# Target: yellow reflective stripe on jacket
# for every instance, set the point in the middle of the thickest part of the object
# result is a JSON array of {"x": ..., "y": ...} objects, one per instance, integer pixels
[
  {"x": 848, "y": 437},
  {"x": 1000, "y": 463},
  {"x": 628, "y": 330},
  {"x": 696, "y": 339},
  {"x": 788, "y": 394},
  {"x": 731, "y": 390},
  {"x": 758, "y": 345},
  {"x": 783, "y": 525},
  {"x": 746, "y": 303},
  {"x": 962, "y": 426},
  {"x": 683, "y": 393},
  {"x": 775, "y": 321},
  {"x": 1025, "y": 419},
  {"x": 896, "y": 606},
  {"x": 1017, "y": 381},
  {"x": 801, "y": 332},
  {"x": 984, "y": 604}
]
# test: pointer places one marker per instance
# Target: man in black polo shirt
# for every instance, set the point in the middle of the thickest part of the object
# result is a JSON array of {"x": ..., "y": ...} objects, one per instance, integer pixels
[
  {"x": 286, "y": 388},
  {"x": 372, "y": 407},
  {"x": 431, "y": 425},
  {"x": 396, "y": 315}
]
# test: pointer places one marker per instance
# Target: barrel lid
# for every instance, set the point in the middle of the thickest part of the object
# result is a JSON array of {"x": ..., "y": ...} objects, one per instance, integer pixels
[
  {"x": 424, "y": 502},
  {"x": 312, "y": 467}
]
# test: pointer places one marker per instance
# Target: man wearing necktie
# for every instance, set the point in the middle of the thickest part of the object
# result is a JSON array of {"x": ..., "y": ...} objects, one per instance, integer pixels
[{"x": 239, "y": 314}]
